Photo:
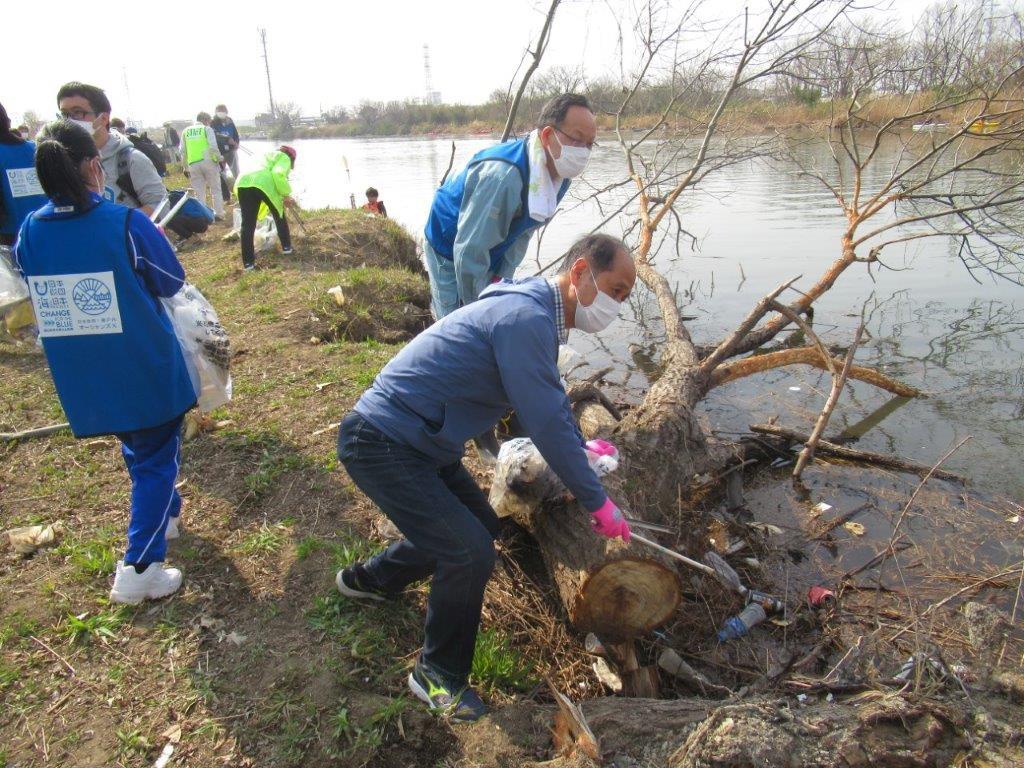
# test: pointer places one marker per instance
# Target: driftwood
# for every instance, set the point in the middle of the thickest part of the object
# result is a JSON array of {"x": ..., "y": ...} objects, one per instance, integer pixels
[
  {"x": 618, "y": 591},
  {"x": 881, "y": 729},
  {"x": 40, "y": 432},
  {"x": 572, "y": 732},
  {"x": 842, "y": 452},
  {"x": 738, "y": 369},
  {"x": 594, "y": 420},
  {"x": 637, "y": 681}
]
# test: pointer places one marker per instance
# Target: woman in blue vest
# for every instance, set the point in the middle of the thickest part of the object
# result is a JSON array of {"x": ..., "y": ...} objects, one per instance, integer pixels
[
  {"x": 95, "y": 271},
  {"x": 20, "y": 193}
]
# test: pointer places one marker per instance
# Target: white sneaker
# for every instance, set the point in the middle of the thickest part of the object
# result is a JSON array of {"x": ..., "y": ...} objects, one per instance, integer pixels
[
  {"x": 172, "y": 531},
  {"x": 155, "y": 582}
]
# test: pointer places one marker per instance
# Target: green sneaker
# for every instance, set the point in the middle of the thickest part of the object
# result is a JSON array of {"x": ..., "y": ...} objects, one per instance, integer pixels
[
  {"x": 463, "y": 705},
  {"x": 351, "y": 584}
]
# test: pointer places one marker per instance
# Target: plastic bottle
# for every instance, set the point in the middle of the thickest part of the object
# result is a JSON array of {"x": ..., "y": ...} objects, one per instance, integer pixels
[
  {"x": 738, "y": 626},
  {"x": 770, "y": 603}
]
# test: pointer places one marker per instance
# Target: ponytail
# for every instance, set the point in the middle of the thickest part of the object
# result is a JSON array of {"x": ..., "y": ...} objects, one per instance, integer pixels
[{"x": 59, "y": 158}]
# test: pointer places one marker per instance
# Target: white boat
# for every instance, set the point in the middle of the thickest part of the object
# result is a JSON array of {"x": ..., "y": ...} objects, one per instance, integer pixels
[{"x": 928, "y": 126}]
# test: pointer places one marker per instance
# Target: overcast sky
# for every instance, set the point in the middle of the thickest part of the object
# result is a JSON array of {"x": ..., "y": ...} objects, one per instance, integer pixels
[{"x": 158, "y": 66}]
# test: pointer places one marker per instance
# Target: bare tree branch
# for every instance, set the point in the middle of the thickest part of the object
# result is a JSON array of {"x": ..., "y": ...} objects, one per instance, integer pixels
[{"x": 537, "y": 53}]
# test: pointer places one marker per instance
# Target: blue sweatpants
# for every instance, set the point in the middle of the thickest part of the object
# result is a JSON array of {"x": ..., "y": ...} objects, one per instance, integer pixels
[{"x": 152, "y": 457}]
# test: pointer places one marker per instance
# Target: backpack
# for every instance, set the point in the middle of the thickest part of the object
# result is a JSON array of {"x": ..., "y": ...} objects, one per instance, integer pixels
[
  {"x": 149, "y": 148},
  {"x": 222, "y": 143},
  {"x": 124, "y": 176}
]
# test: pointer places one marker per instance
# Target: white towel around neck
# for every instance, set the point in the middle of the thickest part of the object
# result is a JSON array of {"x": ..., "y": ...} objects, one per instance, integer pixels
[{"x": 542, "y": 196}]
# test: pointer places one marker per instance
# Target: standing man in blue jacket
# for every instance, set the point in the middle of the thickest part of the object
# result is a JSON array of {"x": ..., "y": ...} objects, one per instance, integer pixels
[
  {"x": 481, "y": 220},
  {"x": 227, "y": 133},
  {"x": 403, "y": 446}
]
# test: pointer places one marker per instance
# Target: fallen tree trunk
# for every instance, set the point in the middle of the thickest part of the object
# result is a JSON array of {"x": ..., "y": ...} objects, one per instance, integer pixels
[
  {"x": 616, "y": 590},
  {"x": 868, "y": 457},
  {"x": 884, "y": 729}
]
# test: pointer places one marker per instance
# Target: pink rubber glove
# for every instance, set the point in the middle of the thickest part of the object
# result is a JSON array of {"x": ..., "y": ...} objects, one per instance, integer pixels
[
  {"x": 609, "y": 522},
  {"x": 602, "y": 448}
]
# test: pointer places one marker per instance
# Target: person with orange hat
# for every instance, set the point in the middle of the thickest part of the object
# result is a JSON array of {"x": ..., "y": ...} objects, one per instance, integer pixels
[{"x": 266, "y": 189}]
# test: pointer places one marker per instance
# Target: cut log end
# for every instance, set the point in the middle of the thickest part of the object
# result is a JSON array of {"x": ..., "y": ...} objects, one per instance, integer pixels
[{"x": 626, "y": 598}]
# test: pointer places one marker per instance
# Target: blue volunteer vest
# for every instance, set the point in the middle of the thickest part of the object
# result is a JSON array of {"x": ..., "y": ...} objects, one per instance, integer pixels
[
  {"x": 19, "y": 184},
  {"x": 115, "y": 360},
  {"x": 443, "y": 221}
]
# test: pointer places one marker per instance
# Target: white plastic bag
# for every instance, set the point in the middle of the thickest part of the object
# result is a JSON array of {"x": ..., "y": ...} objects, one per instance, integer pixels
[
  {"x": 204, "y": 345},
  {"x": 522, "y": 478},
  {"x": 266, "y": 235},
  {"x": 12, "y": 288}
]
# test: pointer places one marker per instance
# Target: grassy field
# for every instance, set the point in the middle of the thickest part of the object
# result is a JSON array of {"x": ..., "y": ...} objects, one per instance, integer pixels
[{"x": 257, "y": 660}]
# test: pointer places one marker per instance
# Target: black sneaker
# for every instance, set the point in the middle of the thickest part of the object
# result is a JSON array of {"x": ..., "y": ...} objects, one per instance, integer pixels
[
  {"x": 350, "y": 585},
  {"x": 462, "y": 705}
]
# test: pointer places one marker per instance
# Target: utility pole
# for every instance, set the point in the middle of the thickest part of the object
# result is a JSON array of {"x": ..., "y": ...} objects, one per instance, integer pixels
[
  {"x": 426, "y": 75},
  {"x": 128, "y": 94},
  {"x": 266, "y": 65},
  {"x": 430, "y": 96}
]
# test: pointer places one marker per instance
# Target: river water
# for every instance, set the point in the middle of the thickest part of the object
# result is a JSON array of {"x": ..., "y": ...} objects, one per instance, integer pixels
[{"x": 929, "y": 324}]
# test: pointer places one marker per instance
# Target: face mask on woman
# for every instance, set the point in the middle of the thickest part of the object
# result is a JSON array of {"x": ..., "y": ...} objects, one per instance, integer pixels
[
  {"x": 598, "y": 315},
  {"x": 573, "y": 160}
]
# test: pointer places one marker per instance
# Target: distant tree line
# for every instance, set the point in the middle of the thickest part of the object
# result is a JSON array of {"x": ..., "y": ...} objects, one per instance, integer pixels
[{"x": 935, "y": 56}]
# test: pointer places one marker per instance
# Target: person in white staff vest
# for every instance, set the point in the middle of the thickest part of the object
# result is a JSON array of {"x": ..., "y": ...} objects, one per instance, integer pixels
[{"x": 201, "y": 160}]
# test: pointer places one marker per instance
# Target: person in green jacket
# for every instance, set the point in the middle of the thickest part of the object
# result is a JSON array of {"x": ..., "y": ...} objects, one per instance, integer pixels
[{"x": 267, "y": 188}]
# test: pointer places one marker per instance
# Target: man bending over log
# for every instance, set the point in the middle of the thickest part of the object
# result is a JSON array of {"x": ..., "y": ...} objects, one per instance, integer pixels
[{"x": 403, "y": 446}]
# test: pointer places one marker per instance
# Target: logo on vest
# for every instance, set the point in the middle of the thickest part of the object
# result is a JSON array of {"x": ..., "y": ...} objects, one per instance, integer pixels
[
  {"x": 91, "y": 296},
  {"x": 75, "y": 305}
]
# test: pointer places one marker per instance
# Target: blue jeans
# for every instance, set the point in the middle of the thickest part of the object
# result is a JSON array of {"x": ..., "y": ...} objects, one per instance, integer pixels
[
  {"x": 152, "y": 457},
  {"x": 444, "y": 289},
  {"x": 449, "y": 530}
]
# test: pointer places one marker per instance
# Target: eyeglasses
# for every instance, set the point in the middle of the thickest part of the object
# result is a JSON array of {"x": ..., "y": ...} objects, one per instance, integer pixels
[
  {"x": 573, "y": 141},
  {"x": 75, "y": 114}
]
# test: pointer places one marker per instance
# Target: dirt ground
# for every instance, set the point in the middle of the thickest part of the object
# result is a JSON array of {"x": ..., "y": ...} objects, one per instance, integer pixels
[{"x": 258, "y": 662}]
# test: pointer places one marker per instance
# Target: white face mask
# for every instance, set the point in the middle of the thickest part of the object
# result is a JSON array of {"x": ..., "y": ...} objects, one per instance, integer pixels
[
  {"x": 573, "y": 160},
  {"x": 599, "y": 314},
  {"x": 87, "y": 125},
  {"x": 221, "y": 115}
]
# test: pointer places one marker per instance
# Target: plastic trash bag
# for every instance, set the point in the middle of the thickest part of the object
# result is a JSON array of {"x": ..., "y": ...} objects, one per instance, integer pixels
[
  {"x": 13, "y": 289},
  {"x": 266, "y": 235},
  {"x": 523, "y": 479},
  {"x": 204, "y": 345},
  {"x": 568, "y": 359}
]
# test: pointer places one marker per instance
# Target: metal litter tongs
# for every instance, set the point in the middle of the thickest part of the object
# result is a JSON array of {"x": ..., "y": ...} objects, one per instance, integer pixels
[
  {"x": 171, "y": 213},
  {"x": 715, "y": 566}
]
